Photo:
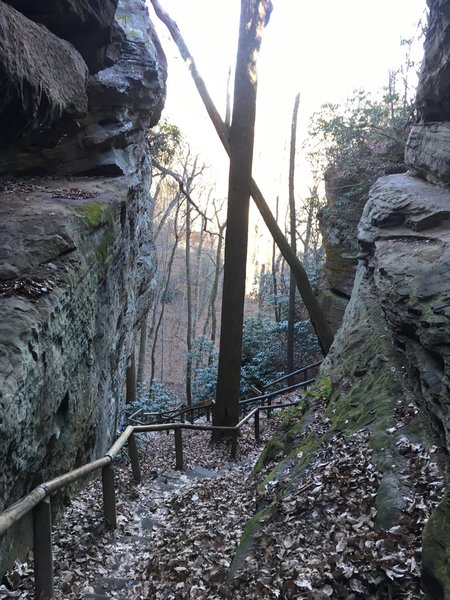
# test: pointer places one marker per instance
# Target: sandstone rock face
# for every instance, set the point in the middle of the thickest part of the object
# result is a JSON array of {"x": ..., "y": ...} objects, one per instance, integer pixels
[
  {"x": 428, "y": 147},
  {"x": 41, "y": 77},
  {"x": 338, "y": 223},
  {"x": 428, "y": 151},
  {"x": 76, "y": 254},
  {"x": 433, "y": 93},
  {"x": 125, "y": 98},
  {"x": 401, "y": 301},
  {"x": 400, "y": 305},
  {"x": 86, "y": 24},
  {"x": 405, "y": 230}
]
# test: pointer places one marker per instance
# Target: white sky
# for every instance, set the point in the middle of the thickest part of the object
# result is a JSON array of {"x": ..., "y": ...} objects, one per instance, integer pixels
[{"x": 321, "y": 48}]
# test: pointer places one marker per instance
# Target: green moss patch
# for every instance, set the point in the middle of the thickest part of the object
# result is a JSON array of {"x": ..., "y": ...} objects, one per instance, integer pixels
[
  {"x": 291, "y": 426},
  {"x": 94, "y": 213},
  {"x": 245, "y": 544},
  {"x": 436, "y": 552},
  {"x": 103, "y": 249},
  {"x": 370, "y": 402}
]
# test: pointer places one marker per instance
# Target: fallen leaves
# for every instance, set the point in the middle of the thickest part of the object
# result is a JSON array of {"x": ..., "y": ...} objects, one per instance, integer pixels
[
  {"x": 324, "y": 541},
  {"x": 28, "y": 287},
  {"x": 177, "y": 533}
]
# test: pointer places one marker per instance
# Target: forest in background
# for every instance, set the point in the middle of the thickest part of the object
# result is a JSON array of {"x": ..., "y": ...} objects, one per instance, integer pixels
[{"x": 176, "y": 357}]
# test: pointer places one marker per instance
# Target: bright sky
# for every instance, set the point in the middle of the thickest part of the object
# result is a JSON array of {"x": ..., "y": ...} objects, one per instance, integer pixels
[{"x": 321, "y": 48}]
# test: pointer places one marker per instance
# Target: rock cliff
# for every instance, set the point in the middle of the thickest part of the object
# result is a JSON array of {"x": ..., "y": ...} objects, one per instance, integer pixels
[
  {"x": 387, "y": 374},
  {"x": 346, "y": 194},
  {"x": 80, "y": 84}
]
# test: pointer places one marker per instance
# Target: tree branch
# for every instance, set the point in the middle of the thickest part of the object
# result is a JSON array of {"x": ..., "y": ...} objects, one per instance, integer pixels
[
  {"x": 167, "y": 171},
  {"x": 318, "y": 319}
]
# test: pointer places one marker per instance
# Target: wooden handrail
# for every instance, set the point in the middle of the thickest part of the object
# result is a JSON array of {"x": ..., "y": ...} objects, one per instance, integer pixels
[
  {"x": 293, "y": 374},
  {"x": 12, "y": 514},
  {"x": 173, "y": 414},
  {"x": 277, "y": 392},
  {"x": 15, "y": 512},
  {"x": 120, "y": 442},
  {"x": 54, "y": 485},
  {"x": 37, "y": 500}
]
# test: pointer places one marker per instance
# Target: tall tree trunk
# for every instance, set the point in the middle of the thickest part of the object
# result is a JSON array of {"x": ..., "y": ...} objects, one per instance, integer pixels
[
  {"x": 199, "y": 305},
  {"x": 189, "y": 306},
  {"x": 292, "y": 226},
  {"x": 215, "y": 288},
  {"x": 142, "y": 350},
  {"x": 166, "y": 289},
  {"x": 226, "y": 407},
  {"x": 276, "y": 306},
  {"x": 308, "y": 234},
  {"x": 161, "y": 366},
  {"x": 131, "y": 394},
  {"x": 316, "y": 313},
  {"x": 228, "y": 101}
]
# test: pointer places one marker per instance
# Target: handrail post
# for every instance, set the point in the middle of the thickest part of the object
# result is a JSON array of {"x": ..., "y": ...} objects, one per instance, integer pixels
[
  {"x": 134, "y": 457},
  {"x": 109, "y": 496},
  {"x": 234, "y": 443},
  {"x": 257, "y": 425},
  {"x": 208, "y": 415},
  {"x": 269, "y": 411},
  {"x": 178, "y": 449},
  {"x": 42, "y": 549}
]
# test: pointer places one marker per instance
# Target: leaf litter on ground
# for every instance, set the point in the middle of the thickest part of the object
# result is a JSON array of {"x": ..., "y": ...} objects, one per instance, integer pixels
[{"x": 177, "y": 533}]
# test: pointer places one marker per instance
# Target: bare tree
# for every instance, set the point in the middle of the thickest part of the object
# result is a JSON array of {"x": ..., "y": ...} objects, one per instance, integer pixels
[
  {"x": 253, "y": 17},
  {"x": 168, "y": 272},
  {"x": 276, "y": 305},
  {"x": 317, "y": 316}
]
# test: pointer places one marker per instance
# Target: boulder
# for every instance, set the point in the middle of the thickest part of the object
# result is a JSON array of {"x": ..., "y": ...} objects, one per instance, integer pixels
[{"x": 428, "y": 151}]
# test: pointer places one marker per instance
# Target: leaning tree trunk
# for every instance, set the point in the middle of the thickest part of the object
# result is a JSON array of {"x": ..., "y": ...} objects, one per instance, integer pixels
[
  {"x": 292, "y": 226},
  {"x": 276, "y": 305},
  {"x": 226, "y": 407},
  {"x": 312, "y": 305}
]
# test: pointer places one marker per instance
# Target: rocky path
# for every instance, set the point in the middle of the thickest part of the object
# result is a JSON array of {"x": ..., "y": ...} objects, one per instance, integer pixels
[
  {"x": 178, "y": 532},
  {"x": 93, "y": 563}
]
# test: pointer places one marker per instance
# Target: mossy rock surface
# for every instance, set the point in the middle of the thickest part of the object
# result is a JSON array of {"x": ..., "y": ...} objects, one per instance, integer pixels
[
  {"x": 362, "y": 386},
  {"x": 95, "y": 213},
  {"x": 436, "y": 552},
  {"x": 100, "y": 221}
]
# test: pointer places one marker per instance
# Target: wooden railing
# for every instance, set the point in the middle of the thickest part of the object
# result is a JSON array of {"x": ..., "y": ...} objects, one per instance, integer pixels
[
  {"x": 141, "y": 416},
  {"x": 303, "y": 370},
  {"x": 38, "y": 501}
]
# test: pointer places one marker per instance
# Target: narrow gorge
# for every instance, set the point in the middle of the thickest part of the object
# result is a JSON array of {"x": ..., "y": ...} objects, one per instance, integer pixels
[{"x": 81, "y": 84}]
